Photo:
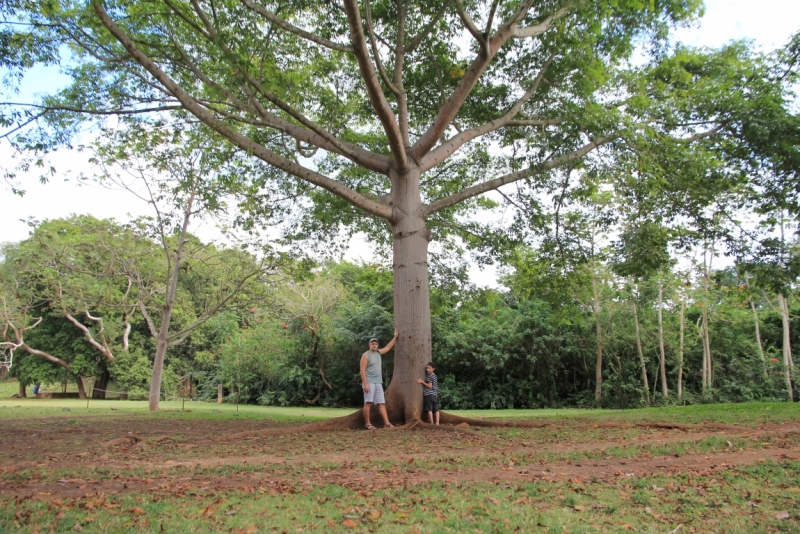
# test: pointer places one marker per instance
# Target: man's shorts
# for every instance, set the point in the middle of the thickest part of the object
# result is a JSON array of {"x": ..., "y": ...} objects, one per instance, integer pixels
[
  {"x": 375, "y": 394},
  {"x": 430, "y": 403}
]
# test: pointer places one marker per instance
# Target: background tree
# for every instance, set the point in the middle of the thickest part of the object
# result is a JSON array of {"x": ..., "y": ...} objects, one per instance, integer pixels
[{"x": 540, "y": 88}]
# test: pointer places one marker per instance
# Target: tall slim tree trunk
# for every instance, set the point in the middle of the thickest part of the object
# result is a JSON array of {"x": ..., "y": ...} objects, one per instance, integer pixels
[
  {"x": 758, "y": 338},
  {"x": 645, "y": 382},
  {"x": 411, "y": 299},
  {"x": 219, "y": 394},
  {"x": 662, "y": 363},
  {"x": 680, "y": 347},
  {"x": 162, "y": 340},
  {"x": 598, "y": 369},
  {"x": 22, "y": 392},
  {"x": 787, "y": 345},
  {"x": 704, "y": 331}
]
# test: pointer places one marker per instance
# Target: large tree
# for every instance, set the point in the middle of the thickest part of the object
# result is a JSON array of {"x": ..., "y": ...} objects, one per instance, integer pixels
[{"x": 418, "y": 108}]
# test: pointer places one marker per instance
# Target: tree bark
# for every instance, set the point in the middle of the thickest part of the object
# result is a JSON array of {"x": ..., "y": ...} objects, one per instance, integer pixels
[
  {"x": 783, "y": 306},
  {"x": 662, "y": 362},
  {"x": 704, "y": 331},
  {"x": 162, "y": 340},
  {"x": 219, "y": 394},
  {"x": 101, "y": 384},
  {"x": 411, "y": 299},
  {"x": 598, "y": 369},
  {"x": 79, "y": 384},
  {"x": 758, "y": 338},
  {"x": 22, "y": 392},
  {"x": 645, "y": 382},
  {"x": 680, "y": 348}
]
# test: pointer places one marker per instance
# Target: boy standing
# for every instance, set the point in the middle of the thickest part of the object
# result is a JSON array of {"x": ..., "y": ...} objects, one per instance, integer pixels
[{"x": 429, "y": 392}]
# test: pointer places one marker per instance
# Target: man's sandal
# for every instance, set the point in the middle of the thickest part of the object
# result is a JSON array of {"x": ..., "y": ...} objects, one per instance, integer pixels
[
  {"x": 390, "y": 425},
  {"x": 370, "y": 427}
]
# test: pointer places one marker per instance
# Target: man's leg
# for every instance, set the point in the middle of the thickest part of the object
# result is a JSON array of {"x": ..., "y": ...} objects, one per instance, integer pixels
[
  {"x": 382, "y": 411},
  {"x": 437, "y": 417},
  {"x": 430, "y": 416},
  {"x": 366, "y": 412}
]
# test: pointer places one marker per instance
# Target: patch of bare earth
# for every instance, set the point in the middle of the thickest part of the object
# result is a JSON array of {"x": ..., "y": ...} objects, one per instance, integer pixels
[{"x": 175, "y": 455}]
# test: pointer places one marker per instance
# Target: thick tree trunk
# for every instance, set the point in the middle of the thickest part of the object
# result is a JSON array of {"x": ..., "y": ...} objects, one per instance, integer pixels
[
  {"x": 598, "y": 368},
  {"x": 22, "y": 392},
  {"x": 645, "y": 382},
  {"x": 783, "y": 306},
  {"x": 101, "y": 384},
  {"x": 662, "y": 362},
  {"x": 680, "y": 348},
  {"x": 411, "y": 300},
  {"x": 81, "y": 389}
]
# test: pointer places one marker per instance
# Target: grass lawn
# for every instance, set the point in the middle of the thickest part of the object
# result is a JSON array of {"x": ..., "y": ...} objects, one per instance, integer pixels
[{"x": 588, "y": 471}]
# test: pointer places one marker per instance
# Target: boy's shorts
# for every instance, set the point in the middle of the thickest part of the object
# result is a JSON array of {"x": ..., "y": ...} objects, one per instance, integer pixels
[
  {"x": 430, "y": 403},
  {"x": 375, "y": 394}
]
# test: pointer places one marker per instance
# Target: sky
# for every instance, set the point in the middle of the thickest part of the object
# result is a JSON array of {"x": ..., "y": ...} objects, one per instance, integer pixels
[{"x": 769, "y": 23}]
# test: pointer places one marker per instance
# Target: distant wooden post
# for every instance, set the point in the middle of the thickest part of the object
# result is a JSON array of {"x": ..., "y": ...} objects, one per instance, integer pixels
[{"x": 219, "y": 393}]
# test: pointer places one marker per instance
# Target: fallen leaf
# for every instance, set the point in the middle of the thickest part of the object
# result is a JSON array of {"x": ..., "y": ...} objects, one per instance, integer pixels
[
  {"x": 782, "y": 515},
  {"x": 136, "y": 511},
  {"x": 579, "y": 508},
  {"x": 331, "y": 522},
  {"x": 492, "y": 500},
  {"x": 349, "y": 523}
]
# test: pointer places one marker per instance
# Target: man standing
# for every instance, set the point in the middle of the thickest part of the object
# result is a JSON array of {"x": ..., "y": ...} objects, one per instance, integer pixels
[{"x": 372, "y": 380}]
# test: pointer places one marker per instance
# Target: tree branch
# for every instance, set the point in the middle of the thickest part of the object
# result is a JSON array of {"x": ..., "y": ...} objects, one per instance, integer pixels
[
  {"x": 376, "y": 96},
  {"x": 206, "y": 315},
  {"x": 469, "y": 24},
  {"x": 701, "y": 135},
  {"x": 86, "y": 333},
  {"x": 399, "y": 56},
  {"x": 447, "y": 148},
  {"x": 375, "y": 51},
  {"x": 449, "y": 110},
  {"x": 294, "y": 29},
  {"x": 241, "y": 141},
  {"x": 416, "y": 41},
  {"x": 481, "y": 188},
  {"x": 532, "y": 31}
]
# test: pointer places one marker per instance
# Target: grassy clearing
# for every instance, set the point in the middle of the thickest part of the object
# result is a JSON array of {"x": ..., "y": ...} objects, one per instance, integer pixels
[
  {"x": 55, "y": 474},
  {"x": 29, "y": 408},
  {"x": 760, "y": 497}
]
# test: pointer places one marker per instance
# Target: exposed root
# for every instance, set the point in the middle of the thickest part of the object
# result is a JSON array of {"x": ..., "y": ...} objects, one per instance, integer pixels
[
  {"x": 667, "y": 426},
  {"x": 456, "y": 423},
  {"x": 354, "y": 421},
  {"x": 127, "y": 440},
  {"x": 451, "y": 419}
]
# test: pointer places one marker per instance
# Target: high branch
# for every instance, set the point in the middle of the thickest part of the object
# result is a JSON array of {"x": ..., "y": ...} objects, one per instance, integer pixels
[{"x": 237, "y": 98}]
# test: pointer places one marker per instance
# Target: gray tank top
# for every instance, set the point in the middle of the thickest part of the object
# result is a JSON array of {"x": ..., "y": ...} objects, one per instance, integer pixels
[{"x": 373, "y": 372}]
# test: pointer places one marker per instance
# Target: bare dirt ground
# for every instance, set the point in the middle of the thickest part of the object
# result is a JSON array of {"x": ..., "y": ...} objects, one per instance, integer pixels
[{"x": 136, "y": 454}]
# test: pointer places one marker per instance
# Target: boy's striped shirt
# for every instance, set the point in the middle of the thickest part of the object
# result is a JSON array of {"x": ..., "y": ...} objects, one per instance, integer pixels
[{"x": 432, "y": 380}]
